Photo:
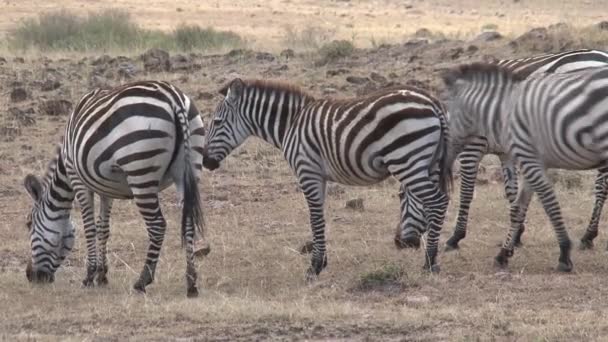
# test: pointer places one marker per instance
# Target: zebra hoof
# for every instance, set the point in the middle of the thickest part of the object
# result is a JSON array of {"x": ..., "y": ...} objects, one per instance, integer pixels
[
  {"x": 434, "y": 269},
  {"x": 139, "y": 287},
  {"x": 88, "y": 282},
  {"x": 102, "y": 280},
  {"x": 449, "y": 247},
  {"x": 192, "y": 292},
  {"x": 564, "y": 267},
  {"x": 311, "y": 276},
  {"x": 586, "y": 245}
]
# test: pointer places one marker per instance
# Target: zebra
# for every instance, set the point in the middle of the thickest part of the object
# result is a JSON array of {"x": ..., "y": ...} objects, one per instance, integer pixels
[
  {"x": 129, "y": 142},
  {"x": 359, "y": 141},
  {"x": 478, "y": 146},
  {"x": 545, "y": 121}
]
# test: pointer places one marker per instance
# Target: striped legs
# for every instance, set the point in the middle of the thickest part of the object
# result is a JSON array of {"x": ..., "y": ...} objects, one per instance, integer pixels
[
  {"x": 536, "y": 178},
  {"x": 313, "y": 187},
  {"x": 509, "y": 176},
  {"x": 103, "y": 233},
  {"x": 148, "y": 204},
  {"x": 601, "y": 190},
  {"x": 469, "y": 165},
  {"x": 87, "y": 205}
]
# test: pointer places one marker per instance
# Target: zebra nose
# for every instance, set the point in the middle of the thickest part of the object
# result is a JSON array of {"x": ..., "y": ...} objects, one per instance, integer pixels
[{"x": 210, "y": 164}]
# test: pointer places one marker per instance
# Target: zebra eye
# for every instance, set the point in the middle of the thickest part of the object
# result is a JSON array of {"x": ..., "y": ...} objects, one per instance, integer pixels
[{"x": 217, "y": 120}]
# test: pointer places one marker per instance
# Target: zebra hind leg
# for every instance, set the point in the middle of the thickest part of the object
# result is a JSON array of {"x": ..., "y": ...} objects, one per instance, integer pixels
[
  {"x": 149, "y": 208},
  {"x": 103, "y": 233},
  {"x": 601, "y": 190}
]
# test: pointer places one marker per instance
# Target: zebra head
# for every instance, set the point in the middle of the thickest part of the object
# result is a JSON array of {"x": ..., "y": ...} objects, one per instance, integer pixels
[
  {"x": 51, "y": 232},
  {"x": 413, "y": 222},
  {"x": 228, "y": 129}
]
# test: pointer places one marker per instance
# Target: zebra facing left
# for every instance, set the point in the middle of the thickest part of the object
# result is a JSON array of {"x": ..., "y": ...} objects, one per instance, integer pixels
[
  {"x": 361, "y": 141},
  {"x": 129, "y": 142}
]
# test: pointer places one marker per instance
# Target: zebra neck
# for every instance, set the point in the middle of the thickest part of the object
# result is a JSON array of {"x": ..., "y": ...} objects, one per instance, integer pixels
[
  {"x": 59, "y": 193},
  {"x": 276, "y": 116}
]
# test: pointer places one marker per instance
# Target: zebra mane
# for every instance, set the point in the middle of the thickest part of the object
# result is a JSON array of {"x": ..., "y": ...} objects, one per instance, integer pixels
[
  {"x": 472, "y": 71},
  {"x": 51, "y": 166},
  {"x": 269, "y": 85}
]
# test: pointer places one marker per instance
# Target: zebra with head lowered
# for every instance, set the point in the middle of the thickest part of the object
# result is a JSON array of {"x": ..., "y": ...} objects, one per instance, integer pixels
[
  {"x": 361, "y": 141},
  {"x": 129, "y": 142},
  {"x": 545, "y": 121},
  {"x": 477, "y": 146}
]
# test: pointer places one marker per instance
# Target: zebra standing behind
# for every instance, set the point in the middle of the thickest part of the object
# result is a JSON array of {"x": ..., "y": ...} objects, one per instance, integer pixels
[
  {"x": 129, "y": 142},
  {"x": 360, "y": 141},
  {"x": 547, "y": 121},
  {"x": 477, "y": 146}
]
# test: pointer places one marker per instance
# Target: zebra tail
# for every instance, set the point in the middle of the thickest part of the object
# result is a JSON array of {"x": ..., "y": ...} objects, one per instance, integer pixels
[
  {"x": 191, "y": 210},
  {"x": 445, "y": 165}
]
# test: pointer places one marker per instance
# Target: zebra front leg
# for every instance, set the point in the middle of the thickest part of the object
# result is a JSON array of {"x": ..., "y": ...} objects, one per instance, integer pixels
[
  {"x": 103, "y": 233},
  {"x": 517, "y": 216},
  {"x": 314, "y": 191},
  {"x": 149, "y": 208},
  {"x": 601, "y": 189},
  {"x": 469, "y": 166},
  {"x": 87, "y": 204}
]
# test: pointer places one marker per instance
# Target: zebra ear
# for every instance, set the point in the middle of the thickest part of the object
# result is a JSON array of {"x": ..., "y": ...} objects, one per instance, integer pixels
[
  {"x": 33, "y": 187},
  {"x": 235, "y": 89}
]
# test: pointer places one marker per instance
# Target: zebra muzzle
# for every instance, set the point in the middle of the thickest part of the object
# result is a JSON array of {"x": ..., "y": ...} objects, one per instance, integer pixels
[{"x": 210, "y": 164}]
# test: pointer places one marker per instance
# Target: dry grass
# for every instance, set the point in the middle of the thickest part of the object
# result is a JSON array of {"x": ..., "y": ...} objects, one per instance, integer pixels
[
  {"x": 263, "y": 22},
  {"x": 252, "y": 283}
]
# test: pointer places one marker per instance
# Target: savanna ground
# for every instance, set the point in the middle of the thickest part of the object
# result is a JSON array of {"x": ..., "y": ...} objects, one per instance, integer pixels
[{"x": 252, "y": 282}]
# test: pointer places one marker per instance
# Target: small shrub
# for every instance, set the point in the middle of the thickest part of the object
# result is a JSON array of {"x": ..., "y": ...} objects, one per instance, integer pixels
[
  {"x": 112, "y": 30},
  {"x": 387, "y": 275},
  {"x": 335, "y": 50},
  {"x": 309, "y": 38},
  {"x": 489, "y": 27},
  {"x": 193, "y": 37}
]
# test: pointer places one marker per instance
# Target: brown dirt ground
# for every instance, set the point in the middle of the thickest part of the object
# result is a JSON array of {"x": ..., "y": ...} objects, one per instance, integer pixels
[{"x": 253, "y": 281}]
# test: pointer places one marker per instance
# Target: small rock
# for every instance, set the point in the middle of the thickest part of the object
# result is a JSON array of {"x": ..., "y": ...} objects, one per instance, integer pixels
[
  {"x": 488, "y": 36},
  {"x": 412, "y": 43},
  {"x": 103, "y": 59},
  {"x": 287, "y": 54},
  {"x": 156, "y": 60},
  {"x": 329, "y": 91},
  {"x": 602, "y": 25},
  {"x": 472, "y": 49},
  {"x": 24, "y": 117},
  {"x": 376, "y": 77},
  {"x": 19, "y": 60},
  {"x": 357, "y": 79},
  {"x": 55, "y": 107},
  {"x": 423, "y": 33},
  {"x": 204, "y": 95},
  {"x": 336, "y": 72},
  {"x": 2, "y": 60},
  {"x": 18, "y": 94},
  {"x": 181, "y": 62},
  {"x": 126, "y": 70},
  {"x": 503, "y": 275},
  {"x": 264, "y": 56},
  {"x": 455, "y": 53},
  {"x": 97, "y": 81},
  {"x": 355, "y": 204},
  {"x": 306, "y": 247},
  {"x": 50, "y": 84}
]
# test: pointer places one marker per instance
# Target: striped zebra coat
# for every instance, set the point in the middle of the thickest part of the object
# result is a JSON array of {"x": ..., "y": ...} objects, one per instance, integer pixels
[
  {"x": 359, "y": 141},
  {"x": 478, "y": 146},
  {"x": 546, "y": 121},
  {"x": 129, "y": 142}
]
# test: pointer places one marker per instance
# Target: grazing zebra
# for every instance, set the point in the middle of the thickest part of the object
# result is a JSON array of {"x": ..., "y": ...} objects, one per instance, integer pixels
[
  {"x": 356, "y": 142},
  {"x": 478, "y": 146},
  {"x": 546, "y": 121},
  {"x": 129, "y": 142}
]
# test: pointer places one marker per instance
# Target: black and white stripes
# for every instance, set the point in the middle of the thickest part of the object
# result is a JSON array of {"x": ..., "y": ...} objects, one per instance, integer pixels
[
  {"x": 128, "y": 142},
  {"x": 547, "y": 121},
  {"x": 479, "y": 145},
  {"x": 356, "y": 142}
]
